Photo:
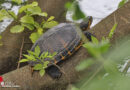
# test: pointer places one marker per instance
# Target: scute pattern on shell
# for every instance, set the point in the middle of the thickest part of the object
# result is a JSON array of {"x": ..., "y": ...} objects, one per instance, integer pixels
[{"x": 61, "y": 39}]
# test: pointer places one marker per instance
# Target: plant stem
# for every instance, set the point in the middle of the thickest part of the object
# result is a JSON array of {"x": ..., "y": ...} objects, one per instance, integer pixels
[{"x": 20, "y": 55}]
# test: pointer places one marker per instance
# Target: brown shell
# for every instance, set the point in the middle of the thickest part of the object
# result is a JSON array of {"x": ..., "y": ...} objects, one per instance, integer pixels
[{"x": 63, "y": 39}]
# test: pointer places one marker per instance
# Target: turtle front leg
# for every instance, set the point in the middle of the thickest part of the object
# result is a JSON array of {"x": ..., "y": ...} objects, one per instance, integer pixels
[{"x": 88, "y": 35}]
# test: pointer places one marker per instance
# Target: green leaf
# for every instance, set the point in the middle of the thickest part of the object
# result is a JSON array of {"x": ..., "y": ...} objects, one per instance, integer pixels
[
  {"x": 12, "y": 14},
  {"x": 27, "y": 19},
  {"x": 54, "y": 54},
  {"x": 78, "y": 14},
  {"x": 17, "y": 29},
  {"x": 34, "y": 10},
  {"x": 29, "y": 26},
  {"x": 97, "y": 49},
  {"x": 122, "y": 3},
  {"x": 23, "y": 60},
  {"x": 43, "y": 14},
  {"x": 46, "y": 54},
  {"x": 40, "y": 31},
  {"x": 17, "y": 1},
  {"x": 42, "y": 56},
  {"x": 36, "y": 24},
  {"x": 46, "y": 64},
  {"x": 38, "y": 67},
  {"x": 34, "y": 36},
  {"x": 42, "y": 72},
  {"x": 4, "y": 14},
  {"x": 68, "y": 5},
  {"x": 112, "y": 31},
  {"x": 37, "y": 50},
  {"x": 94, "y": 40},
  {"x": 31, "y": 52},
  {"x": 85, "y": 64},
  {"x": 50, "y": 24},
  {"x": 29, "y": 57},
  {"x": 23, "y": 8},
  {"x": 50, "y": 18}
]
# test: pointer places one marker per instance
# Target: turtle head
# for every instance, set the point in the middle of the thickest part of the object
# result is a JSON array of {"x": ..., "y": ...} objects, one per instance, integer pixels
[{"x": 85, "y": 24}]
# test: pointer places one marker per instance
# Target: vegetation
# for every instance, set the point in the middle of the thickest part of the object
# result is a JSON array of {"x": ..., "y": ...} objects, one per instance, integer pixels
[
  {"x": 122, "y": 3},
  {"x": 37, "y": 57},
  {"x": 27, "y": 21},
  {"x": 75, "y": 9},
  {"x": 108, "y": 75}
]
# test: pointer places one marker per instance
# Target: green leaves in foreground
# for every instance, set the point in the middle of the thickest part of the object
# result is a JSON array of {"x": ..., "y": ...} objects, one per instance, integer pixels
[
  {"x": 112, "y": 31},
  {"x": 85, "y": 64},
  {"x": 36, "y": 56},
  {"x": 110, "y": 82},
  {"x": 107, "y": 75},
  {"x": 96, "y": 48}
]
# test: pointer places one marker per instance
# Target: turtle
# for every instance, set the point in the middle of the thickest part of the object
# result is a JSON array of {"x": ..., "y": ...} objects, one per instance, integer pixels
[{"x": 63, "y": 39}]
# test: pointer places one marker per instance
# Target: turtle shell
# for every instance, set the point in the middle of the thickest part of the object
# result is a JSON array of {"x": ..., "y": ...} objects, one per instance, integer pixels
[{"x": 63, "y": 39}]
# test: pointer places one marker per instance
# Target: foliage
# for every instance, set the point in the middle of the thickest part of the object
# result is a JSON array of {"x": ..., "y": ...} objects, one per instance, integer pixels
[
  {"x": 17, "y": 1},
  {"x": 112, "y": 31},
  {"x": 4, "y": 14},
  {"x": 27, "y": 21},
  {"x": 122, "y": 3},
  {"x": 38, "y": 58},
  {"x": 75, "y": 9},
  {"x": 107, "y": 76},
  {"x": 17, "y": 29}
]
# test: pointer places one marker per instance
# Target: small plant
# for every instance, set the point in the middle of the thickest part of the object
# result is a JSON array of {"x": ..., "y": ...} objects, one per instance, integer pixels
[
  {"x": 27, "y": 21},
  {"x": 36, "y": 56}
]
